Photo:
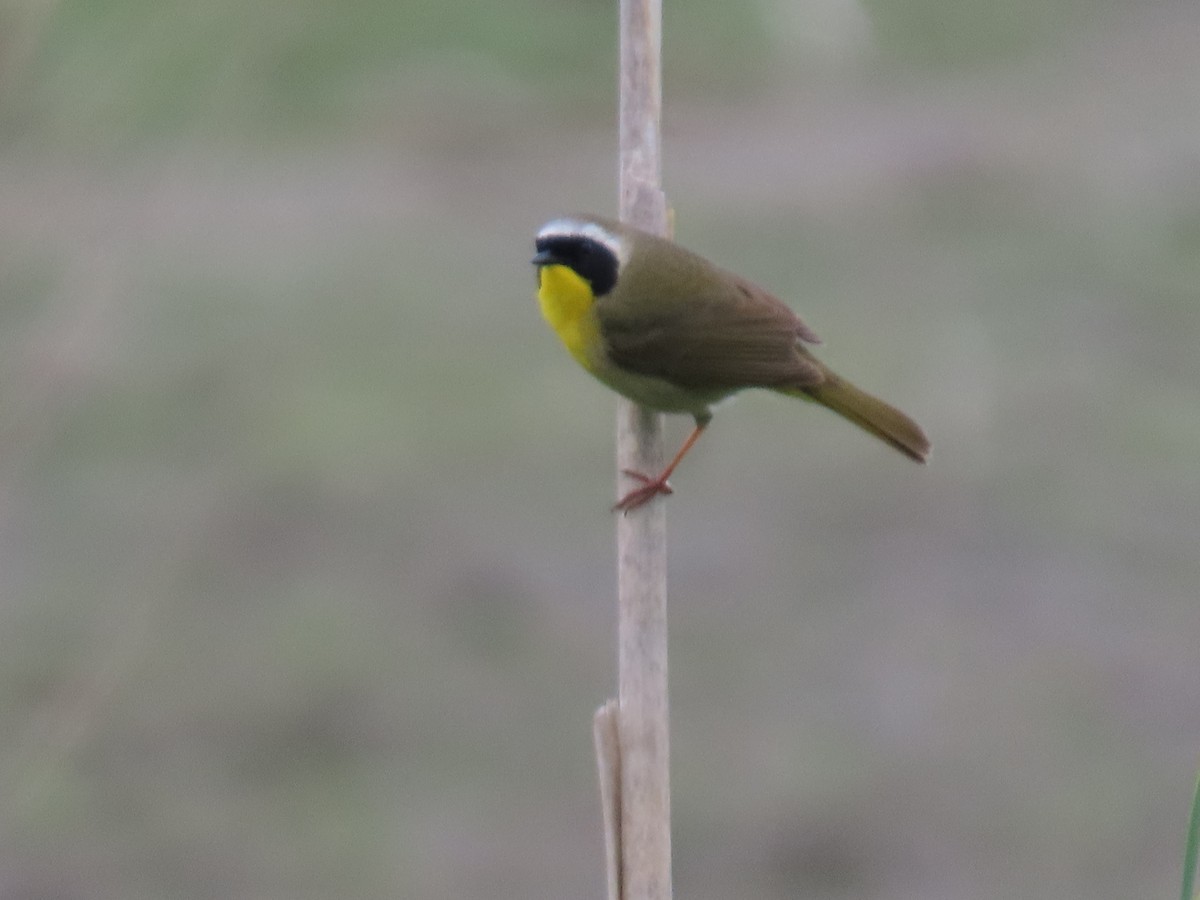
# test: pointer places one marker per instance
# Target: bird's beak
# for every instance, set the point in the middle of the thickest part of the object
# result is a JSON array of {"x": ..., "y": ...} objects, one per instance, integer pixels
[{"x": 544, "y": 258}]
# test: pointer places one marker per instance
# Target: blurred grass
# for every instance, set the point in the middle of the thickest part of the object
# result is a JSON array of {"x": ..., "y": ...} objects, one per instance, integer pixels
[
  {"x": 117, "y": 73},
  {"x": 931, "y": 33},
  {"x": 304, "y": 560}
]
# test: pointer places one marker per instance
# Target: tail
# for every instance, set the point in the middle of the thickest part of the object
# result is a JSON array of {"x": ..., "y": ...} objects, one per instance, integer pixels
[{"x": 869, "y": 413}]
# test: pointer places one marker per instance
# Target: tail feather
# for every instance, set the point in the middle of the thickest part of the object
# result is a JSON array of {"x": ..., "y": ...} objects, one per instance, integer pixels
[{"x": 869, "y": 413}]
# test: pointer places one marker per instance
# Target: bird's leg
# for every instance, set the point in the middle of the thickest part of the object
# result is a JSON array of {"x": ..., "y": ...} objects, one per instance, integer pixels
[{"x": 652, "y": 487}]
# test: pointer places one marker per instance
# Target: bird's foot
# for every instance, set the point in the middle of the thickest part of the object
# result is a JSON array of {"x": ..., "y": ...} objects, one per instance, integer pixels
[{"x": 651, "y": 488}]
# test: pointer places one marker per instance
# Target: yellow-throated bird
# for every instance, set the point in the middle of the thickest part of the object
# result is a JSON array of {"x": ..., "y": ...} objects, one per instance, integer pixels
[{"x": 673, "y": 332}]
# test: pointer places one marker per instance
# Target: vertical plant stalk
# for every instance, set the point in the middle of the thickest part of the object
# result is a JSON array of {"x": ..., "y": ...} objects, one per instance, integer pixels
[
  {"x": 637, "y": 802},
  {"x": 1191, "y": 846},
  {"x": 608, "y": 759}
]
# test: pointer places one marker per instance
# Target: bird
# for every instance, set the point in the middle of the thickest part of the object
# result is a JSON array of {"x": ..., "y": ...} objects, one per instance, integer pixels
[{"x": 675, "y": 333}]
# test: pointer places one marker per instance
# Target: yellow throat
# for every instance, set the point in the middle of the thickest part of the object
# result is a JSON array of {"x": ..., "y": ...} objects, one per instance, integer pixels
[{"x": 566, "y": 300}]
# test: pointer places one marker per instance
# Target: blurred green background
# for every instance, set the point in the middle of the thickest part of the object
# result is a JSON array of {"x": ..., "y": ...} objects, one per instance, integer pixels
[{"x": 306, "y": 569}]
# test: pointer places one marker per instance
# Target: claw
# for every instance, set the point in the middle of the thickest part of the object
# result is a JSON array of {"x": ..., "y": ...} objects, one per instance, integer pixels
[
  {"x": 646, "y": 479},
  {"x": 651, "y": 488}
]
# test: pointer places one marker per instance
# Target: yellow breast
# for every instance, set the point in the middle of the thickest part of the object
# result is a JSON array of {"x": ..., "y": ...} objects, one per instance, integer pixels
[{"x": 566, "y": 301}]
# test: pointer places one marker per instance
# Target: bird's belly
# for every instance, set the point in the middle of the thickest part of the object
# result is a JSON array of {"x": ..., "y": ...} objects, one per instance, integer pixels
[
  {"x": 569, "y": 308},
  {"x": 657, "y": 393}
]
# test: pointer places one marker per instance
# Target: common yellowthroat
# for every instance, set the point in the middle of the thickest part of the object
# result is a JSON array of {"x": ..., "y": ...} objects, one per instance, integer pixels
[{"x": 673, "y": 332}]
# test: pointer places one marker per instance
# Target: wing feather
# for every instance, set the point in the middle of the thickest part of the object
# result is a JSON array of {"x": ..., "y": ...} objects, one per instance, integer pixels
[{"x": 708, "y": 330}]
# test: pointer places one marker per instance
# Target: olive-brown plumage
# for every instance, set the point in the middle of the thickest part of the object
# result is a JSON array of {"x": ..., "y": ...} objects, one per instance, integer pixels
[{"x": 670, "y": 330}]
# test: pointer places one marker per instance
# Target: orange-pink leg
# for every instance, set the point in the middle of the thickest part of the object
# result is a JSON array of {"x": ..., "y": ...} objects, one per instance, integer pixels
[{"x": 652, "y": 487}]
